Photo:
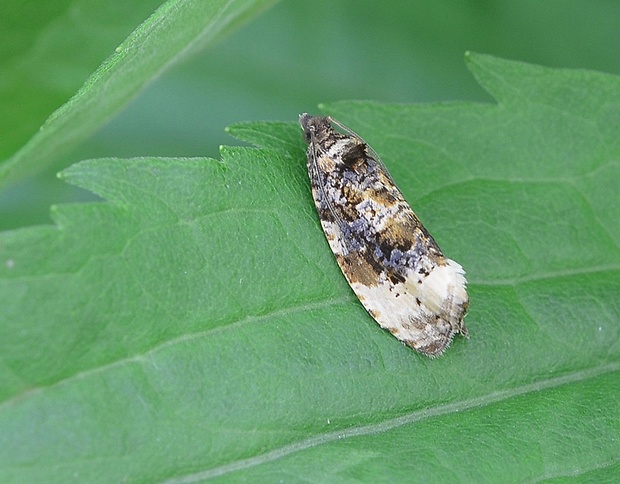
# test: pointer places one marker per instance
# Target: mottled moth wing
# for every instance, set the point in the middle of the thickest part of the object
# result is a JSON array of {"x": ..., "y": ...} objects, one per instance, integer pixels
[{"x": 391, "y": 262}]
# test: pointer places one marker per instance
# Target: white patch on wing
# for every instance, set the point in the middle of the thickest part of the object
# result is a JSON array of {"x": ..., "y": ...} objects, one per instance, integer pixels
[
  {"x": 409, "y": 310},
  {"x": 443, "y": 287},
  {"x": 334, "y": 237}
]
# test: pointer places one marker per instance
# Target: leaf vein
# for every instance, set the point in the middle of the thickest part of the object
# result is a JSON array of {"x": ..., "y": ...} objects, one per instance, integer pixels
[{"x": 412, "y": 417}]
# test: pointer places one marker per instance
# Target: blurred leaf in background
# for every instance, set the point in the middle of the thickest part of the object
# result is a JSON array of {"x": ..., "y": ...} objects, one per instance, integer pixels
[
  {"x": 288, "y": 60},
  {"x": 175, "y": 29}
]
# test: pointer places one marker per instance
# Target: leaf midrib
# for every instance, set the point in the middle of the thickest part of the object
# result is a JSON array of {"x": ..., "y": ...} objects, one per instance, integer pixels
[
  {"x": 415, "y": 416},
  {"x": 321, "y": 304},
  {"x": 232, "y": 326}
]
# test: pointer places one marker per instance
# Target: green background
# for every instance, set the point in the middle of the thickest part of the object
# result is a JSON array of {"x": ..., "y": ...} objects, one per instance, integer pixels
[{"x": 285, "y": 61}]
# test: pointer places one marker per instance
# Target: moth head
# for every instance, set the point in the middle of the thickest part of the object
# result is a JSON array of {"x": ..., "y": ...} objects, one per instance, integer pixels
[{"x": 316, "y": 128}]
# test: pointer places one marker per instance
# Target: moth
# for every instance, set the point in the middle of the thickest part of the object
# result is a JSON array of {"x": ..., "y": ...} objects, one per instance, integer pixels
[{"x": 389, "y": 259}]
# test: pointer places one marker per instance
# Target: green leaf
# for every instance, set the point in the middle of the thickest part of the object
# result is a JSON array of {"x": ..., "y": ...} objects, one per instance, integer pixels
[
  {"x": 39, "y": 79},
  {"x": 196, "y": 325},
  {"x": 48, "y": 50}
]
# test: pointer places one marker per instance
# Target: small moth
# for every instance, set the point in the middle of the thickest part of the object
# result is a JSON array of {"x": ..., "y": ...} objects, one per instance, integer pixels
[{"x": 391, "y": 262}]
